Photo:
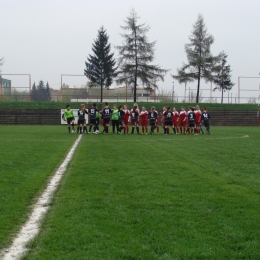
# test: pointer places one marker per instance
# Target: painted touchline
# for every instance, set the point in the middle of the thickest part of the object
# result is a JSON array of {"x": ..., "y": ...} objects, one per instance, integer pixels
[{"x": 31, "y": 228}]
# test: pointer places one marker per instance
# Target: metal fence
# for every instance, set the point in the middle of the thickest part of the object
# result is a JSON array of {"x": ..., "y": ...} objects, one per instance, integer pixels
[{"x": 122, "y": 99}]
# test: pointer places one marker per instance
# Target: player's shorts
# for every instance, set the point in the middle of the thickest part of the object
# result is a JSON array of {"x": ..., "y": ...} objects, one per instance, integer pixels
[
  {"x": 134, "y": 123},
  {"x": 106, "y": 120},
  {"x": 145, "y": 123},
  {"x": 175, "y": 123},
  {"x": 197, "y": 123},
  {"x": 81, "y": 121},
  {"x": 70, "y": 119},
  {"x": 192, "y": 124},
  {"x": 168, "y": 123},
  {"x": 152, "y": 123},
  {"x": 182, "y": 123},
  {"x": 93, "y": 121}
]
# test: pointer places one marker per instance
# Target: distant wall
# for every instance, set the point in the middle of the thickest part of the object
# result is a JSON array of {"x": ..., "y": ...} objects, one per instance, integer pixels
[
  {"x": 30, "y": 116},
  {"x": 53, "y": 117}
]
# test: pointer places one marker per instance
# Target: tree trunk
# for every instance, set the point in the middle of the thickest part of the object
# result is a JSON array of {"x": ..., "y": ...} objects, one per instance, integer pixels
[
  {"x": 135, "y": 82},
  {"x": 101, "y": 91},
  {"x": 185, "y": 92},
  {"x": 222, "y": 97},
  {"x": 198, "y": 88}
]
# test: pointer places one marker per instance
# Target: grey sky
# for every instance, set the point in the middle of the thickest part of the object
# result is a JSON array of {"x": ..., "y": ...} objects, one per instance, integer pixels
[{"x": 49, "y": 38}]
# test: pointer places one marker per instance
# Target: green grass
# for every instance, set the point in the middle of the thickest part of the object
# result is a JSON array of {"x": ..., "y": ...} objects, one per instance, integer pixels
[
  {"x": 59, "y": 105},
  {"x": 29, "y": 156},
  {"x": 157, "y": 197}
]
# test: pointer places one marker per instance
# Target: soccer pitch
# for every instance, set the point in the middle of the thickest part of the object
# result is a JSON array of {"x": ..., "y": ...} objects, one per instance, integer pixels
[{"x": 135, "y": 196}]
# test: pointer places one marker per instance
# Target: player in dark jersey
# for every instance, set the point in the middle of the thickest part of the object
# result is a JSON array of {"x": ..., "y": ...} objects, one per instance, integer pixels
[
  {"x": 191, "y": 119},
  {"x": 135, "y": 119},
  {"x": 205, "y": 119},
  {"x": 106, "y": 114},
  {"x": 121, "y": 115},
  {"x": 92, "y": 118},
  {"x": 163, "y": 117},
  {"x": 96, "y": 128},
  {"x": 81, "y": 119},
  {"x": 168, "y": 120},
  {"x": 152, "y": 116}
]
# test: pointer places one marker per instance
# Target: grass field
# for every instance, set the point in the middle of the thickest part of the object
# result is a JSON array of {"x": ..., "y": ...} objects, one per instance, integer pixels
[
  {"x": 29, "y": 155},
  {"x": 144, "y": 197}
]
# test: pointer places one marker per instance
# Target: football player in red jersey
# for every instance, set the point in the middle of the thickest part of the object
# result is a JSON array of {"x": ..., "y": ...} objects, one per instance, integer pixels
[
  {"x": 144, "y": 116},
  {"x": 183, "y": 119},
  {"x": 175, "y": 120},
  {"x": 198, "y": 118},
  {"x": 126, "y": 119},
  {"x": 163, "y": 117}
]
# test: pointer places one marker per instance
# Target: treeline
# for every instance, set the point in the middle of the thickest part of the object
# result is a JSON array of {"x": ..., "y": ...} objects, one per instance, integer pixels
[
  {"x": 134, "y": 65},
  {"x": 41, "y": 92}
]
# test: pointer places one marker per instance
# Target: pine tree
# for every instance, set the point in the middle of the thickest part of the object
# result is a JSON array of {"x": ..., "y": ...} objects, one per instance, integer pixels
[
  {"x": 48, "y": 92},
  {"x": 136, "y": 55},
  {"x": 34, "y": 92},
  {"x": 100, "y": 67},
  {"x": 200, "y": 60},
  {"x": 40, "y": 92},
  {"x": 223, "y": 78}
]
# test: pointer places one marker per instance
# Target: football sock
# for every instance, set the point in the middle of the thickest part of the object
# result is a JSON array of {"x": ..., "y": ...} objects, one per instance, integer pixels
[
  {"x": 77, "y": 129},
  {"x": 146, "y": 129},
  {"x": 137, "y": 129},
  {"x": 174, "y": 130},
  {"x": 84, "y": 128},
  {"x": 133, "y": 130},
  {"x": 142, "y": 129},
  {"x": 158, "y": 130},
  {"x": 188, "y": 129},
  {"x": 69, "y": 128},
  {"x": 80, "y": 129},
  {"x": 95, "y": 129},
  {"x": 90, "y": 128},
  {"x": 73, "y": 126}
]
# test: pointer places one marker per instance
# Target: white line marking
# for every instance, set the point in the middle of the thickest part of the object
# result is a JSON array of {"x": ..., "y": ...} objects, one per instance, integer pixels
[{"x": 31, "y": 228}]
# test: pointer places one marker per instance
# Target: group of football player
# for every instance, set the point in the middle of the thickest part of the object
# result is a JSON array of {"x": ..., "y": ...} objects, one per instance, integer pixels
[{"x": 123, "y": 118}]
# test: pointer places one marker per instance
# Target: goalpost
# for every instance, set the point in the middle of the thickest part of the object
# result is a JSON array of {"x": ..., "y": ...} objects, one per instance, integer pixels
[
  {"x": 256, "y": 91},
  {"x": 247, "y": 90}
]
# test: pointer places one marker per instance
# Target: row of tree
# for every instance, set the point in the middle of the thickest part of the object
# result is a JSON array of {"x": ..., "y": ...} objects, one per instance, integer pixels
[
  {"x": 41, "y": 92},
  {"x": 134, "y": 66}
]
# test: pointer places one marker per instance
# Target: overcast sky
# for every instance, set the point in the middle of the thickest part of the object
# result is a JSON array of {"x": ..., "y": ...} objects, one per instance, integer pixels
[{"x": 47, "y": 38}]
